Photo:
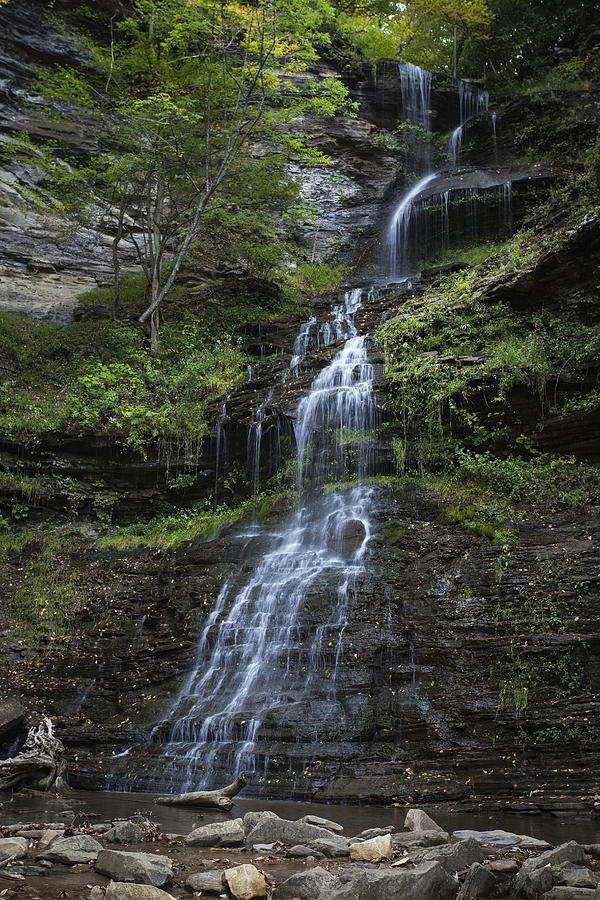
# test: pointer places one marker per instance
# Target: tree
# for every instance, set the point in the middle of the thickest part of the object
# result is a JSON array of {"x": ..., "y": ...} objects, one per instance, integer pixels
[
  {"x": 185, "y": 87},
  {"x": 449, "y": 23}
]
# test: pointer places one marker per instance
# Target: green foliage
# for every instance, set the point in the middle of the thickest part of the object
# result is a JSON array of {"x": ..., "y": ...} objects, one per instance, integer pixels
[{"x": 314, "y": 278}]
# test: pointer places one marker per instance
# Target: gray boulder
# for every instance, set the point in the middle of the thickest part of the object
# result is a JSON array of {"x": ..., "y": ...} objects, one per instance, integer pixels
[
  {"x": 530, "y": 880},
  {"x": 427, "y": 881},
  {"x": 457, "y": 856},
  {"x": 274, "y": 829},
  {"x": 322, "y": 823},
  {"x": 571, "y": 893},
  {"x": 418, "y": 820},
  {"x": 501, "y": 839},
  {"x": 81, "y": 848},
  {"x": 12, "y": 717},
  {"x": 369, "y": 833},
  {"x": 410, "y": 839},
  {"x": 219, "y": 834},
  {"x": 305, "y": 885},
  {"x": 144, "y": 868},
  {"x": 125, "y": 833},
  {"x": 576, "y": 876},
  {"x": 299, "y": 852},
  {"x": 210, "y": 882},
  {"x": 349, "y": 886},
  {"x": 251, "y": 819},
  {"x": 118, "y": 890},
  {"x": 13, "y": 846},
  {"x": 479, "y": 883}
]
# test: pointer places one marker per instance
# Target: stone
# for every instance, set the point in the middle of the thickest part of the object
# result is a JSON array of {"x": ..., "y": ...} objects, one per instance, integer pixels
[
  {"x": 592, "y": 850},
  {"x": 12, "y": 717},
  {"x": 218, "y": 834},
  {"x": 418, "y": 820},
  {"x": 427, "y": 881},
  {"x": 334, "y": 849},
  {"x": 145, "y": 868},
  {"x": 97, "y": 893},
  {"x": 349, "y": 886},
  {"x": 371, "y": 833},
  {"x": 246, "y": 882},
  {"x": 420, "y": 838},
  {"x": 374, "y": 850},
  {"x": 570, "y": 893},
  {"x": 322, "y": 823},
  {"x": 526, "y": 881},
  {"x": 501, "y": 839},
  {"x": 478, "y": 883},
  {"x": 81, "y": 848},
  {"x": 13, "y": 846},
  {"x": 299, "y": 851},
  {"x": 119, "y": 890},
  {"x": 209, "y": 882},
  {"x": 275, "y": 829},
  {"x": 251, "y": 819},
  {"x": 456, "y": 856},
  {"x": 265, "y": 848},
  {"x": 503, "y": 866},
  {"x": 47, "y": 836},
  {"x": 305, "y": 885},
  {"x": 125, "y": 833},
  {"x": 576, "y": 876}
]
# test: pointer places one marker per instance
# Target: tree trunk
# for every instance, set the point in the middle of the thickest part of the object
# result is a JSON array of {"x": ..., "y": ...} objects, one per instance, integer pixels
[
  {"x": 40, "y": 763},
  {"x": 219, "y": 799}
]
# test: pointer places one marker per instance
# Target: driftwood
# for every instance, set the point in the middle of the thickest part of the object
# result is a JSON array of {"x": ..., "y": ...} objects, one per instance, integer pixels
[
  {"x": 40, "y": 763},
  {"x": 220, "y": 799}
]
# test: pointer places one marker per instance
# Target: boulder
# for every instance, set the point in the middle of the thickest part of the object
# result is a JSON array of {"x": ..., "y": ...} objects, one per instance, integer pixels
[
  {"x": 144, "y": 868},
  {"x": 12, "y": 717},
  {"x": 503, "y": 866},
  {"x": 81, "y": 848},
  {"x": 275, "y": 829},
  {"x": 97, "y": 893},
  {"x": 246, "y": 882},
  {"x": 209, "y": 882},
  {"x": 47, "y": 836},
  {"x": 305, "y": 885},
  {"x": 349, "y": 886},
  {"x": 456, "y": 856},
  {"x": 299, "y": 851},
  {"x": 427, "y": 881},
  {"x": 369, "y": 833},
  {"x": 218, "y": 834},
  {"x": 418, "y": 820},
  {"x": 125, "y": 833},
  {"x": 527, "y": 882},
  {"x": 13, "y": 846},
  {"x": 501, "y": 839},
  {"x": 119, "y": 890},
  {"x": 322, "y": 823},
  {"x": 560, "y": 892},
  {"x": 253, "y": 818},
  {"x": 478, "y": 883},
  {"x": 576, "y": 876},
  {"x": 375, "y": 850},
  {"x": 420, "y": 838}
]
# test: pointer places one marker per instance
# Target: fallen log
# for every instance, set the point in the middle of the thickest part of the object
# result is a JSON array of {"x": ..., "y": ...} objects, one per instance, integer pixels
[
  {"x": 40, "y": 763},
  {"x": 219, "y": 799}
]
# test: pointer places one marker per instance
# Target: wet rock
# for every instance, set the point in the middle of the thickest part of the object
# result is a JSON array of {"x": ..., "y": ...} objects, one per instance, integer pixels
[
  {"x": 125, "y": 833},
  {"x": 373, "y": 850},
  {"x": 13, "y": 846},
  {"x": 118, "y": 890},
  {"x": 47, "y": 836},
  {"x": 478, "y": 883},
  {"x": 251, "y": 819},
  {"x": 322, "y": 823},
  {"x": 265, "y": 848},
  {"x": 420, "y": 839},
  {"x": 592, "y": 850},
  {"x": 427, "y": 881},
  {"x": 349, "y": 886},
  {"x": 457, "y": 856},
  {"x": 299, "y": 851},
  {"x": 210, "y": 882},
  {"x": 418, "y": 820},
  {"x": 12, "y": 717},
  {"x": 145, "y": 868},
  {"x": 306, "y": 885},
  {"x": 369, "y": 833},
  {"x": 501, "y": 839},
  {"x": 576, "y": 876},
  {"x": 334, "y": 849},
  {"x": 81, "y": 848},
  {"x": 503, "y": 866},
  {"x": 288, "y": 832},
  {"x": 218, "y": 834},
  {"x": 530, "y": 879},
  {"x": 245, "y": 882},
  {"x": 570, "y": 893}
]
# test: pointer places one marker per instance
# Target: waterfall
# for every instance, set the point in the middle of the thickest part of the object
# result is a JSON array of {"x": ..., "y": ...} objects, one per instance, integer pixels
[
  {"x": 250, "y": 661},
  {"x": 471, "y": 102},
  {"x": 396, "y": 239},
  {"x": 415, "y": 89}
]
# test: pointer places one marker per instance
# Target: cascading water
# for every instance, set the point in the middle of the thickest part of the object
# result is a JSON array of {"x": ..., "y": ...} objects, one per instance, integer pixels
[
  {"x": 249, "y": 661},
  {"x": 471, "y": 102}
]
